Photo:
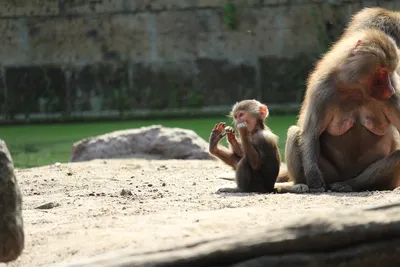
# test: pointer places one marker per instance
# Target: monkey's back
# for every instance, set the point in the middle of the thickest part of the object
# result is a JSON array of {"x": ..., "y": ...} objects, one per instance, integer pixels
[{"x": 376, "y": 18}]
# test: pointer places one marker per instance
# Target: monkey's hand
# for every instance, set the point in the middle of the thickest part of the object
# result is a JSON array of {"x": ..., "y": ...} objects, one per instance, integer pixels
[
  {"x": 341, "y": 187},
  {"x": 242, "y": 128},
  {"x": 315, "y": 180},
  {"x": 230, "y": 134},
  {"x": 216, "y": 135}
]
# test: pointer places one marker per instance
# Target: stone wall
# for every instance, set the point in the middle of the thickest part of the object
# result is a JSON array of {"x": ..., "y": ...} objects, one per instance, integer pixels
[{"x": 90, "y": 55}]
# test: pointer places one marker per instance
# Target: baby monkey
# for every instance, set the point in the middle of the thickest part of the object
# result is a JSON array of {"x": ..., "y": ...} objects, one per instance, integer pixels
[{"x": 256, "y": 156}]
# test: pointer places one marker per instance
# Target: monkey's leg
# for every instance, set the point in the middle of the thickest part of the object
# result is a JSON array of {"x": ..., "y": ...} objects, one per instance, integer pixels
[
  {"x": 383, "y": 174},
  {"x": 294, "y": 163},
  {"x": 243, "y": 177},
  {"x": 297, "y": 181},
  {"x": 11, "y": 222}
]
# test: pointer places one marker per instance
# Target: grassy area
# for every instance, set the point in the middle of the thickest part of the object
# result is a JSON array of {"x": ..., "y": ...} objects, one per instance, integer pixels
[{"x": 37, "y": 145}]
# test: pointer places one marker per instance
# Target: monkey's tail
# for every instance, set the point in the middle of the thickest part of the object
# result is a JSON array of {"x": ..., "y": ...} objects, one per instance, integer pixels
[
  {"x": 284, "y": 184},
  {"x": 284, "y": 187},
  {"x": 283, "y": 175}
]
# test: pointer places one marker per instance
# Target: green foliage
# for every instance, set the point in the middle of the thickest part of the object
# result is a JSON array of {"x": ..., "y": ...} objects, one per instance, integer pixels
[
  {"x": 36, "y": 145},
  {"x": 323, "y": 37},
  {"x": 194, "y": 99},
  {"x": 120, "y": 100},
  {"x": 230, "y": 15}
]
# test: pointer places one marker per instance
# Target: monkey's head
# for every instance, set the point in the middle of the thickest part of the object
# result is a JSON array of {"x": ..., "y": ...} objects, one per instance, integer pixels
[
  {"x": 370, "y": 64},
  {"x": 250, "y": 111}
]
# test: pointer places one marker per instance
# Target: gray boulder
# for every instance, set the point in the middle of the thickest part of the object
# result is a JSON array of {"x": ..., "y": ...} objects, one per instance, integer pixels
[
  {"x": 12, "y": 236},
  {"x": 352, "y": 238},
  {"x": 153, "y": 142}
]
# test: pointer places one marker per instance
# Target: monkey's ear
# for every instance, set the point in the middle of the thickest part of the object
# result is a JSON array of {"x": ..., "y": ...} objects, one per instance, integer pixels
[
  {"x": 358, "y": 43},
  {"x": 264, "y": 113}
]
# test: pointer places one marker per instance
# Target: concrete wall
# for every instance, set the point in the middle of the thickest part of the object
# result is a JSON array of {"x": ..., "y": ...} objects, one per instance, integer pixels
[{"x": 76, "y": 55}]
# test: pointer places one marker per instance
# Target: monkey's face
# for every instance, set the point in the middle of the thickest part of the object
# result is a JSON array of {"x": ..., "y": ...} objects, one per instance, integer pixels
[
  {"x": 245, "y": 116},
  {"x": 381, "y": 85}
]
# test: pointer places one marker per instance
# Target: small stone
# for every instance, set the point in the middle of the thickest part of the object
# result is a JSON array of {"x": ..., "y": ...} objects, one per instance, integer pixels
[
  {"x": 126, "y": 192},
  {"x": 47, "y": 206},
  {"x": 149, "y": 185},
  {"x": 163, "y": 184}
]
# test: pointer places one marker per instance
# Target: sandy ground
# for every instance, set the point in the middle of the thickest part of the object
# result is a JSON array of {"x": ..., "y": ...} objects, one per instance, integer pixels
[{"x": 101, "y": 206}]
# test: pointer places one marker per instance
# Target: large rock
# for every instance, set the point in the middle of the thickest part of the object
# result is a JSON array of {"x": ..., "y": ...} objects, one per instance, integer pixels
[
  {"x": 12, "y": 238},
  {"x": 353, "y": 238},
  {"x": 153, "y": 142}
]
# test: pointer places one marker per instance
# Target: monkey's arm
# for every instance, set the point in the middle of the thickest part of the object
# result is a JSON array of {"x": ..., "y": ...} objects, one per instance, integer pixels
[
  {"x": 226, "y": 156},
  {"x": 250, "y": 152},
  {"x": 393, "y": 107},
  {"x": 316, "y": 121},
  {"x": 236, "y": 147},
  {"x": 234, "y": 144}
]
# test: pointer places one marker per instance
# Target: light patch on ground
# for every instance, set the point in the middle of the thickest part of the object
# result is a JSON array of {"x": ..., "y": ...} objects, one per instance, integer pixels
[{"x": 163, "y": 204}]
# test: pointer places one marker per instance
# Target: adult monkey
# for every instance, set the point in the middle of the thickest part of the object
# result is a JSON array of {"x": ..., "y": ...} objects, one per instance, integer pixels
[{"x": 346, "y": 137}]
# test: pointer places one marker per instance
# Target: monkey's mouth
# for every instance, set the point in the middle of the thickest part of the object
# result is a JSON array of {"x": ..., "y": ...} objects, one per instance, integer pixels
[
  {"x": 383, "y": 89},
  {"x": 383, "y": 95}
]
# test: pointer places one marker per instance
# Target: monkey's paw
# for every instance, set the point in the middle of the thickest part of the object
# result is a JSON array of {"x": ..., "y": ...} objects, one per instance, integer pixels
[
  {"x": 300, "y": 188},
  {"x": 341, "y": 187}
]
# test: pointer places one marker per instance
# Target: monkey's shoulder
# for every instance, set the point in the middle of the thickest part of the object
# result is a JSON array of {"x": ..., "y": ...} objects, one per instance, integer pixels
[{"x": 265, "y": 137}]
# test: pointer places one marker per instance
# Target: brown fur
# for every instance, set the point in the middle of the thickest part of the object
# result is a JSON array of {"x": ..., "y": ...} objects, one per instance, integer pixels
[
  {"x": 256, "y": 162},
  {"x": 345, "y": 139},
  {"x": 376, "y": 18},
  {"x": 379, "y": 18}
]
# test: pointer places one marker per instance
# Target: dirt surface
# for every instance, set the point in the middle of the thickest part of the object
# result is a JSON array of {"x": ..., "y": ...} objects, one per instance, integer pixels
[{"x": 99, "y": 206}]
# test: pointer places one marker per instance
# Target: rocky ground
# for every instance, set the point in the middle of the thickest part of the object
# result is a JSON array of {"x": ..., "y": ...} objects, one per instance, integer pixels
[{"x": 85, "y": 209}]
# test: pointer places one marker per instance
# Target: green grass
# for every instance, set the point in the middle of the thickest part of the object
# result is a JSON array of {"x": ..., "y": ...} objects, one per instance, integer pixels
[{"x": 37, "y": 145}]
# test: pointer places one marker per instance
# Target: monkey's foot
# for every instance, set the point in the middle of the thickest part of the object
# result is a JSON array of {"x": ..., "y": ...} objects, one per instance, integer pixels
[
  {"x": 341, "y": 187},
  {"x": 229, "y": 189},
  {"x": 397, "y": 190},
  {"x": 300, "y": 188}
]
